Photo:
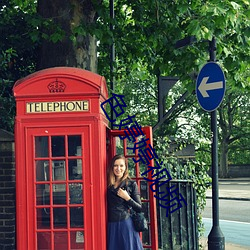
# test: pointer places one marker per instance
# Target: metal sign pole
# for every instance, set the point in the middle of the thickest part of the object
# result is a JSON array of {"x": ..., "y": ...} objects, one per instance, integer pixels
[
  {"x": 112, "y": 57},
  {"x": 216, "y": 238}
]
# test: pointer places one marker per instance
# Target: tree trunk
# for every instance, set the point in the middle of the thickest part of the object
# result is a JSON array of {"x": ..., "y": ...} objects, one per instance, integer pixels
[
  {"x": 75, "y": 49},
  {"x": 223, "y": 166}
]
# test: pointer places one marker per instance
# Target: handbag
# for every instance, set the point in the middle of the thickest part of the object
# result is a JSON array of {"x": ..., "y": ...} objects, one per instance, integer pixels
[{"x": 139, "y": 221}]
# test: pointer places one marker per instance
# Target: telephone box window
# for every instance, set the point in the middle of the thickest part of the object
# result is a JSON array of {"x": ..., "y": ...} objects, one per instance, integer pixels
[
  {"x": 131, "y": 168},
  {"x": 58, "y": 146},
  {"x": 60, "y": 217},
  {"x": 41, "y": 193},
  {"x": 43, "y": 218},
  {"x": 41, "y": 146},
  {"x": 76, "y": 217},
  {"x": 58, "y": 171},
  {"x": 42, "y": 170},
  {"x": 59, "y": 194},
  {"x": 60, "y": 239},
  {"x": 77, "y": 237},
  {"x": 75, "y": 169},
  {"x": 144, "y": 190},
  {"x": 74, "y": 145},
  {"x": 75, "y": 193},
  {"x": 43, "y": 241}
]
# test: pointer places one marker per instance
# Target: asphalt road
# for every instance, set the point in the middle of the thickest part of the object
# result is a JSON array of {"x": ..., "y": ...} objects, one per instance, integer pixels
[{"x": 234, "y": 214}]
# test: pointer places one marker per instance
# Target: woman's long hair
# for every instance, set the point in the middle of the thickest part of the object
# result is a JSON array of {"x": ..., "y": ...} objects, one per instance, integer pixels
[{"x": 111, "y": 175}]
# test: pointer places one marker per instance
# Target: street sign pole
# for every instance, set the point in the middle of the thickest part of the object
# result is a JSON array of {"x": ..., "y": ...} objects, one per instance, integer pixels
[
  {"x": 112, "y": 58},
  {"x": 216, "y": 239}
]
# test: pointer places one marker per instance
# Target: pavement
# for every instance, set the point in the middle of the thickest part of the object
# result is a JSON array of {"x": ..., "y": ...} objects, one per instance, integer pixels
[
  {"x": 230, "y": 194},
  {"x": 228, "y": 246}
]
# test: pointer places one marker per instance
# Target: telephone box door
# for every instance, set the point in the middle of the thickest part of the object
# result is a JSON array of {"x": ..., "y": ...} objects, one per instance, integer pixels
[
  {"x": 133, "y": 148},
  {"x": 58, "y": 179}
]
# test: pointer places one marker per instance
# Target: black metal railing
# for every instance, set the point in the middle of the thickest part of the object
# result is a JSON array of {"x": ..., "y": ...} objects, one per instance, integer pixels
[{"x": 178, "y": 230}]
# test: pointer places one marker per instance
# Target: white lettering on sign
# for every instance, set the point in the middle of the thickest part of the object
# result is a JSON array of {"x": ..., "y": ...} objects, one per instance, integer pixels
[{"x": 49, "y": 107}]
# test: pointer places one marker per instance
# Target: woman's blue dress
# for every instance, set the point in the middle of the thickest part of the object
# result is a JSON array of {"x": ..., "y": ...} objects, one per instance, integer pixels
[{"x": 122, "y": 236}]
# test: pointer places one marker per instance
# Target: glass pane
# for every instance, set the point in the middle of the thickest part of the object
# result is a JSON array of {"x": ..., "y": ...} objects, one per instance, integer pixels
[
  {"x": 60, "y": 217},
  {"x": 146, "y": 239},
  {"x": 75, "y": 169},
  {"x": 77, "y": 240},
  {"x": 41, "y": 146},
  {"x": 131, "y": 167},
  {"x": 58, "y": 170},
  {"x": 43, "y": 241},
  {"x": 119, "y": 145},
  {"x": 61, "y": 240},
  {"x": 145, "y": 209},
  {"x": 58, "y": 146},
  {"x": 144, "y": 190},
  {"x": 131, "y": 145},
  {"x": 43, "y": 218},
  {"x": 41, "y": 193},
  {"x": 42, "y": 171},
  {"x": 59, "y": 194},
  {"x": 45, "y": 195},
  {"x": 76, "y": 216},
  {"x": 75, "y": 193},
  {"x": 74, "y": 145},
  {"x": 143, "y": 169}
]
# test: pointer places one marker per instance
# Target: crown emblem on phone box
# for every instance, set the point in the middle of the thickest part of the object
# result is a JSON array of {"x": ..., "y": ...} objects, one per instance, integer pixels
[{"x": 56, "y": 86}]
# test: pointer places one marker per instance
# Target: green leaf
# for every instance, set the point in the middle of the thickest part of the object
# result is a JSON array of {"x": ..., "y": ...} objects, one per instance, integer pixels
[
  {"x": 235, "y": 5},
  {"x": 194, "y": 28}
]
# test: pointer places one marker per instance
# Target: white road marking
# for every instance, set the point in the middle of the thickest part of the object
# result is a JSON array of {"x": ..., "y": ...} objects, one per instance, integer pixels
[{"x": 240, "y": 222}]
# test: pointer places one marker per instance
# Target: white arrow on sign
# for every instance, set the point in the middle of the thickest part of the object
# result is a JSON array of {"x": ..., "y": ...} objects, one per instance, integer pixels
[{"x": 204, "y": 86}]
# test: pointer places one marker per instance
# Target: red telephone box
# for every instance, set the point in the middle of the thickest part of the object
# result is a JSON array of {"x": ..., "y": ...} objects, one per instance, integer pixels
[{"x": 61, "y": 138}]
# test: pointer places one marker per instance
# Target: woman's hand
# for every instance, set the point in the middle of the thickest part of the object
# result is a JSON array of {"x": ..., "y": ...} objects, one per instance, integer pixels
[{"x": 123, "y": 194}]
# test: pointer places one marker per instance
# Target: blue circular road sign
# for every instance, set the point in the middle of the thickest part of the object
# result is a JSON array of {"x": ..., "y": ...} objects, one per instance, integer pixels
[{"x": 210, "y": 86}]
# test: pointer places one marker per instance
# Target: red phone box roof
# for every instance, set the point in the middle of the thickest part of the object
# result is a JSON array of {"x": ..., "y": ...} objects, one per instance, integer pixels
[{"x": 60, "y": 81}]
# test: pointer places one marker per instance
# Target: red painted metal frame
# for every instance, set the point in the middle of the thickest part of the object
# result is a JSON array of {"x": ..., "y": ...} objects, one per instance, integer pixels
[{"x": 112, "y": 134}]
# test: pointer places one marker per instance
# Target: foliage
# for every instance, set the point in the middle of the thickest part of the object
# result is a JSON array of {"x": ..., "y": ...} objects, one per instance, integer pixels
[
  {"x": 148, "y": 31},
  {"x": 17, "y": 54}
]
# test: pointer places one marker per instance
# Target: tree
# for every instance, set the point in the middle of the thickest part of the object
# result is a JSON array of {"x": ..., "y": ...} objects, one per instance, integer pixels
[
  {"x": 234, "y": 119},
  {"x": 69, "y": 39}
]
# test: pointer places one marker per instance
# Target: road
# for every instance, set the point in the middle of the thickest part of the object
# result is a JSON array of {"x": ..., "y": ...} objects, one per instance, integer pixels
[{"x": 234, "y": 213}]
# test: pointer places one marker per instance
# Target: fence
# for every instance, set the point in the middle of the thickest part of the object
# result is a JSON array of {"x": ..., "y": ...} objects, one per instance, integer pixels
[{"x": 179, "y": 230}]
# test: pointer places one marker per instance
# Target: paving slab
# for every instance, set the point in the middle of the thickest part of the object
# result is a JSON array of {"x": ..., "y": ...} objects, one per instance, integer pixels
[
  {"x": 242, "y": 192},
  {"x": 228, "y": 246}
]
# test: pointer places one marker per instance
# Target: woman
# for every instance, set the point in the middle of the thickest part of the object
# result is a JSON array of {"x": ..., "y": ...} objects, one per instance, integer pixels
[{"x": 122, "y": 195}]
